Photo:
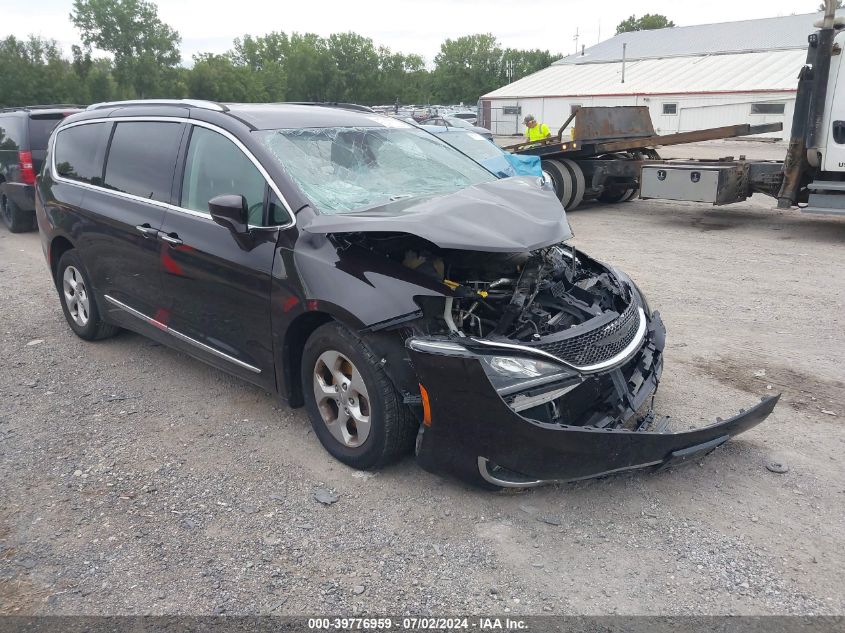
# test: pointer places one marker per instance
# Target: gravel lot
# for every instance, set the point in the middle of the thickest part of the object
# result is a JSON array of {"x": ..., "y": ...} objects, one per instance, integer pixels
[{"x": 134, "y": 479}]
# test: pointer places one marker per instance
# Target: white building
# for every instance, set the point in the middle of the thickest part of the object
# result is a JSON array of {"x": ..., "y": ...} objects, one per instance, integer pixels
[{"x": 690, "y": 77}]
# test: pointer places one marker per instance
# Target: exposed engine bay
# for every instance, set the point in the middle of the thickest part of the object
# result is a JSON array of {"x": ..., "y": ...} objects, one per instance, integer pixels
[
  {"x": 524, "y": 360},
  {"x": 522, "y": 297}
]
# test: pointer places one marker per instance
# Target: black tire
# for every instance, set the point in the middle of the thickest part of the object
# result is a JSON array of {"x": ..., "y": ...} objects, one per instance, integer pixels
[
  {"x": 393, "y": 427},
  {"x": 18, "y": 220},
  {"x": 94, "y": 328},
  {"x": 561, "y": 180},
  {"x": 579, "y": 185}
]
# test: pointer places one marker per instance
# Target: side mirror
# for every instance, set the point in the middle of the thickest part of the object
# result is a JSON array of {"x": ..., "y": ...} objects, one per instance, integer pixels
[{"x": 230, "y": 210}]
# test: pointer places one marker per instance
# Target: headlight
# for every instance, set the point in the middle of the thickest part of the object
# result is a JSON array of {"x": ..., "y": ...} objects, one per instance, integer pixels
[
  {"x": 510, "y": 374},
  {"x": 522, "y": 381}
]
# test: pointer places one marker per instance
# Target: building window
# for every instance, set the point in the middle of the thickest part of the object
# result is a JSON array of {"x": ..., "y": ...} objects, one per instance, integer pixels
[
  {"x": 512, "y": 110},
  {"x": 768, "y": 108},
  {"x": 670, "y": 108}
]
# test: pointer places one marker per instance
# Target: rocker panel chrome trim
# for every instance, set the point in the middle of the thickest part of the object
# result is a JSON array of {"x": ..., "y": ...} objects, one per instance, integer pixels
[{"x": 182, "y": 337}]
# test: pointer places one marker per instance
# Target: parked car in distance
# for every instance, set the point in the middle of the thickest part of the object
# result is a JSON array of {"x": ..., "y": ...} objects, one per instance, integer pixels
[
  {"x": 445, "y": 121},
  {"x": 24, "y": 133},
  {"x": 487, "y": 153},
  {"x": 363, "y": 268},
  {"x": 469, "y": 117}
]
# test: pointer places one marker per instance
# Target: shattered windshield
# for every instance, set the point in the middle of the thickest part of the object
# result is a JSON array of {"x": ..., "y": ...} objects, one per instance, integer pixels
[
  {"x": 473, "y": 145},
  {"x": 346, "y": 169}
]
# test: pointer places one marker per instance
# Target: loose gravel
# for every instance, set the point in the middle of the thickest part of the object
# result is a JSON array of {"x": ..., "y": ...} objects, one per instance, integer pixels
[{"x": 134, "y": 479}]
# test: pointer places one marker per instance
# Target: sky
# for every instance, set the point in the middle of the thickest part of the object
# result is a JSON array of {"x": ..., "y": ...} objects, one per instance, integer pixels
[{"x": 409, "y": 26}]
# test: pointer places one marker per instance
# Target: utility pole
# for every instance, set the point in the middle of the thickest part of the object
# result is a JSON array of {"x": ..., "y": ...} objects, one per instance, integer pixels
[
  {"x": 509, "y": 70},
  {"x": 576, "y": 40}
]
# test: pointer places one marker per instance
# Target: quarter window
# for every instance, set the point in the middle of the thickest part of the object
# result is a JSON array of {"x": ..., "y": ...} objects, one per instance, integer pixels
[
  {"x": 142, "y": 158},
  {"x": 79, "y": 152},
  {"x": 216, "y": 166},
  {"x": 11, "y": 132}
]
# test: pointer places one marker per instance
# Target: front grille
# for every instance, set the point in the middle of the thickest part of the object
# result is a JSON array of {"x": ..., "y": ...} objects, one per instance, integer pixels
[{"x": 598, "y": 345}]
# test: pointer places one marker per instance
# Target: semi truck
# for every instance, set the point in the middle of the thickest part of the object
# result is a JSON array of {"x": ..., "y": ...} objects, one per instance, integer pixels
[{"x": 612, "y": 154}]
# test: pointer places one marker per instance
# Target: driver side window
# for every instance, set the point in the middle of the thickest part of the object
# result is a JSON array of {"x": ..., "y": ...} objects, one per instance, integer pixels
[{"x": 216, "y": 166}]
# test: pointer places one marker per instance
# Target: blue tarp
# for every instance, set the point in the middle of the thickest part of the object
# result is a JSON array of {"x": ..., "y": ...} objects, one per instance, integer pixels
[{"x": 524, "y": 165}]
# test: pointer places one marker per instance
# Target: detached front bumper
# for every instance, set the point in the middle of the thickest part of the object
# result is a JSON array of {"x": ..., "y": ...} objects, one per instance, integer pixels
[{"x": 471, "y": 431}]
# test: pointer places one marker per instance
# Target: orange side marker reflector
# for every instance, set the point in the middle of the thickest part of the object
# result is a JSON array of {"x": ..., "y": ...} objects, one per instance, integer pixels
[{"x": 426, "y": 406}]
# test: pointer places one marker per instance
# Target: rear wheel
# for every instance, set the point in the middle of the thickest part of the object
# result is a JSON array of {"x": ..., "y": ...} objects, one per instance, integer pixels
[
  {"x": 16, "y": 218},
  {"x": 78, "y": 302},
  {"x": 576, "y": 175},
  {"x": 355, "y": 411},
  {"x": 561, "y": 180}
]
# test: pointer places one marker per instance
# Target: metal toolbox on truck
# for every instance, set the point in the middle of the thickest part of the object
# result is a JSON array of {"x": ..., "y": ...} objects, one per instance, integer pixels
[{"x": 720, "y": 184}]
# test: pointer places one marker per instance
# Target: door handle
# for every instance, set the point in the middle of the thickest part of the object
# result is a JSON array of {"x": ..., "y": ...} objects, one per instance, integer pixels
[
  {"x": 171, "y": 238},
  {"x": 147, "y": 231}
]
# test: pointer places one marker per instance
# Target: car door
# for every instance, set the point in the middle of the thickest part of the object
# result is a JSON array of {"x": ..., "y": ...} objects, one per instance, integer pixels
[
  {"x": 125, "y": 211},
  {"x": 217, "y": 284}
]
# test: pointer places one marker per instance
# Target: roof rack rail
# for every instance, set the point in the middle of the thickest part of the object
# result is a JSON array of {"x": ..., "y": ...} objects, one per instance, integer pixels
[
  {"x": 194, "y": 103},
  {"x": 54, "y": 106},
  {"x": 335, "y": 104}
]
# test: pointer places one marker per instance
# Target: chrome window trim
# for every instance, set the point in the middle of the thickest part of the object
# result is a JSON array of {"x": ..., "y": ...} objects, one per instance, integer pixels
[
  {"x": 182, "y": 337},
  {"x": 165, "y": 205}
]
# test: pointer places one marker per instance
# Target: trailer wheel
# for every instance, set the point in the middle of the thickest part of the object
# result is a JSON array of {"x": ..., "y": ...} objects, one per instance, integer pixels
[
  {"x": 561, "y": 180},
  {"x": 576, "y": 174}
]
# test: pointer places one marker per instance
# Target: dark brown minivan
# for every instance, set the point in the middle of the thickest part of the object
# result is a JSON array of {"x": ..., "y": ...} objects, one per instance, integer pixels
[{"x": 362, "y": 267}]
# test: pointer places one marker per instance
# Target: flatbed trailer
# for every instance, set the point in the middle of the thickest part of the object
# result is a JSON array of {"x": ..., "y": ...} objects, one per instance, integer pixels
[
  {"x": 608, "y": 149},
  {"x": 612, "y": 155}
]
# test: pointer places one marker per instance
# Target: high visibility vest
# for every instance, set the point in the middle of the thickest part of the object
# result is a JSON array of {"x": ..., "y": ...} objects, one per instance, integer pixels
[{"x": 537, "y": 133}]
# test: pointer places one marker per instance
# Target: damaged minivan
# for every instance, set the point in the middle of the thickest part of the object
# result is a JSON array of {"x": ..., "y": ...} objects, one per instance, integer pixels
[{"x": 360, "y": 267}]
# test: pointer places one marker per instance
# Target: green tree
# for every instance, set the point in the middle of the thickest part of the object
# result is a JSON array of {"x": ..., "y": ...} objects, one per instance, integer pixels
[
  {"x": 355, "y": 63},
  {"x": 402, "y": 77},
  {"x": 215, "y": 77},
  {"x": 145, "y": 49},
  {"x": 647, "y": 22},
  {"x": 34, "y": 71},
  {"x": 466, "y": 68},
  {"x": 524, "y": 62}
]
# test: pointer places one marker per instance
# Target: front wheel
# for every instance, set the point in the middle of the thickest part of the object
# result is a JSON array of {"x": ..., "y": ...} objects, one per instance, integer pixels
[
  {"x": 78, "y": 303},
  {"x": 354, "y": 408}
]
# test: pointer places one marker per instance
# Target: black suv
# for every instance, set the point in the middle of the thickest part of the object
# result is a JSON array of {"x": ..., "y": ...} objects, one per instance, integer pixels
[
  {"x": 364, "y": 268},
  {"x": 23, "y": 144}
]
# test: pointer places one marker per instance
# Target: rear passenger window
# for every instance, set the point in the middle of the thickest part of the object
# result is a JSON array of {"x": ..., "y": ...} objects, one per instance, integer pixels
[
  {"x": 11, "y": 131},
  {"x": 216, "y": 166},
  {"x": 39, "y": 130},
  {"x": 142, "y": 159},
  {"x": 79, "y": 152}
]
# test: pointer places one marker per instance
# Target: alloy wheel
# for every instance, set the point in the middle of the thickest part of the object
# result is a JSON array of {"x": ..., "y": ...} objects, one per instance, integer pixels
[
  {"x": 76, "y": 296},
  {"x": 342, "y": 398}
]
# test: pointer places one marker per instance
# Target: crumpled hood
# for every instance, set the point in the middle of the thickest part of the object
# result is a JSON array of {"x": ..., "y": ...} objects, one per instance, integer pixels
[{"x": 507, "y": 216}]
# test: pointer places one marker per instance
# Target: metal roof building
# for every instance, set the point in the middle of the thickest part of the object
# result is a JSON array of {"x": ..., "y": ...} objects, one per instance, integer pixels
[{"x": 690, "y": 77}]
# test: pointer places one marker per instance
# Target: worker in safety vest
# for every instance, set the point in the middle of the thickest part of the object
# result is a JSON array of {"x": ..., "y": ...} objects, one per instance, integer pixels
[{"x": 535, "y": 131}]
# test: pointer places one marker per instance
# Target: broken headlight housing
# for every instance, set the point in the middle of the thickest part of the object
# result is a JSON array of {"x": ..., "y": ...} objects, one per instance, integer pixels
[
  {"x": 508, "y": 374},
  {"x": 511, "y": 374}
]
